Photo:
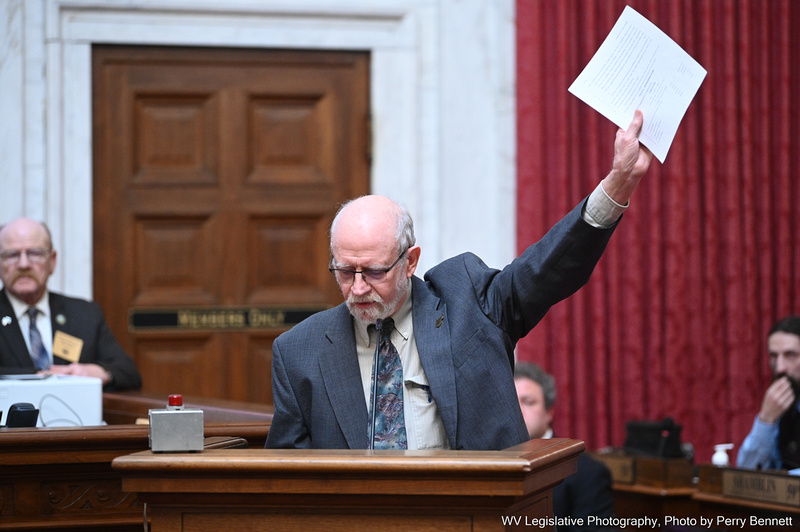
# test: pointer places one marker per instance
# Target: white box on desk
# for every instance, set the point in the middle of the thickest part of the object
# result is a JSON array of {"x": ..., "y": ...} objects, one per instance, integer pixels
[{"x": 62, "y": 400}]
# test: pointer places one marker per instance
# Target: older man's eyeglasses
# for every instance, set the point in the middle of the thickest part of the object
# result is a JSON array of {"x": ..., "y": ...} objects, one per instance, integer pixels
[
  {"x": 371, "y": 275},
  {"x": 35, "y": 256}
]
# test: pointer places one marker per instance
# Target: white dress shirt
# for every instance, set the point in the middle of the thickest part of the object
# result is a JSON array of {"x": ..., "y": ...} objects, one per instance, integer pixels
[{"x": 424, "y": 427}]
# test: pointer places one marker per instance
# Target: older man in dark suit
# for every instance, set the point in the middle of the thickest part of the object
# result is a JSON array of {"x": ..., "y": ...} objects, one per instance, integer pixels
[
  {"x": 46, "y": 332},
  {"x": 450, "y": 345}
]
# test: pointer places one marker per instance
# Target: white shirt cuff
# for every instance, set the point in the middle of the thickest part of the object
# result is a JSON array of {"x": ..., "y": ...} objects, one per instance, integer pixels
[{"x": 602, "y": 211}]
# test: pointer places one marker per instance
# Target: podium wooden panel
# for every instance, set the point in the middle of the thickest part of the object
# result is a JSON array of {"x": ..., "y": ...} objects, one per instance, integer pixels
[{"x": 258, "y": 489}]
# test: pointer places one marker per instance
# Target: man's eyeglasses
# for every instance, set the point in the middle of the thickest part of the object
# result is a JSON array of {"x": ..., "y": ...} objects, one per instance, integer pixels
[
  {"x": 372, "y": 275},
  {"x": 35, "y": 256}
]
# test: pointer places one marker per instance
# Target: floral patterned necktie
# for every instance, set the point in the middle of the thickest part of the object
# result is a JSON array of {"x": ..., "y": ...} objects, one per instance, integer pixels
[{"x": 390, "y": 427}]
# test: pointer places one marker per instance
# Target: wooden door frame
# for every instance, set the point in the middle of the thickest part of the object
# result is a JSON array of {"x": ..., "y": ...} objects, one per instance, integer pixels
[{"x": 218, "y": 188}]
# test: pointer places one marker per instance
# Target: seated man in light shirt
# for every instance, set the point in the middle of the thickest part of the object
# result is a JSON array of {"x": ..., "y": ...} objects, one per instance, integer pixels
[{"x": 774, "y": 440}]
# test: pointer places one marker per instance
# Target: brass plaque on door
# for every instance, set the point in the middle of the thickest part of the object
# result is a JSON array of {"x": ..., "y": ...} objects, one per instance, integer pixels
[{"x": 216, "y": 318}]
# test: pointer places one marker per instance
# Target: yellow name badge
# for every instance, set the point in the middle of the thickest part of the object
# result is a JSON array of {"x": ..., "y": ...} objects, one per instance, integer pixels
[{"x": 67, "y": 346}]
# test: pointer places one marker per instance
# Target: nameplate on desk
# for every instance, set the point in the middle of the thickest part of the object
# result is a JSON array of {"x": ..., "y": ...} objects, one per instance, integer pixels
[
  {"x": 761, "y": 486},
  {"x": 216, "y": 318}
]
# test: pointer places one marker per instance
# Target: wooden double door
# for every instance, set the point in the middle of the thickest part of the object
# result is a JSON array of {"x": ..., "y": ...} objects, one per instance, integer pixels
[{"x": 216, "y": 175}]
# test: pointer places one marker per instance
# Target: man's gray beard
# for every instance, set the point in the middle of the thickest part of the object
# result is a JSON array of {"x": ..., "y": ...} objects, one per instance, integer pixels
[{"x": 383, "y": 309}]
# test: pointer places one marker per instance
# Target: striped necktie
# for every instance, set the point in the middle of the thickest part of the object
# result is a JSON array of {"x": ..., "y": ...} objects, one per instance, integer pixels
[{"x": 38, "y": 352}]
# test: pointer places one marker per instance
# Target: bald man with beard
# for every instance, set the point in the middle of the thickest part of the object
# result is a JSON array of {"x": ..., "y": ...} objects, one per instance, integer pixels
[{"x": 455, "y": 329}]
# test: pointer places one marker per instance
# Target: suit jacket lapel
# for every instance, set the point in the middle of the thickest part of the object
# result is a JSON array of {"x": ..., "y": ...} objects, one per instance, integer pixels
[
  {"x": 56, "y": 309},
  {"x": 58, "y": 312},
  {"x": 432, "y": 334},
  {"x": 342, "y": 378},
  {"x": 11, "y": 332}
]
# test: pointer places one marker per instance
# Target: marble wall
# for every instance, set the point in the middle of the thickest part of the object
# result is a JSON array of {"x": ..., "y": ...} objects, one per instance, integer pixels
[{"x": 443, "y": 104}]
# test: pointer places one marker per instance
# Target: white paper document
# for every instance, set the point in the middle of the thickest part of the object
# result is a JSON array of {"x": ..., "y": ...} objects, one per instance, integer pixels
[{"x": 639, "y": 67}]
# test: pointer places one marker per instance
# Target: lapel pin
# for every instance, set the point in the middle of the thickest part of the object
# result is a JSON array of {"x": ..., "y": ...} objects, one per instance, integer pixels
[
  {"x": 439, "y": 321},
  {"x": 60, "y": 319},
  {"x": 6, "y": 320}
]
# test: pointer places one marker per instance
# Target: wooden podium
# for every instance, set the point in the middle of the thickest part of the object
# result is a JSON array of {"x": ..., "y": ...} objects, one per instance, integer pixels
[{"x": 258, "y": 489}]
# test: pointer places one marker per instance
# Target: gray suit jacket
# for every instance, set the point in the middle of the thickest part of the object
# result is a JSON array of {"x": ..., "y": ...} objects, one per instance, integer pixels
[
  {"x": 467, "y": 320},
  {"x": 80, "y": 318}
]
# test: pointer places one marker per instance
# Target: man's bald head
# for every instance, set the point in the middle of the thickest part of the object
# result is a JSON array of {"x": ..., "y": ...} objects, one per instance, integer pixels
[{"x": 373, "y": 220}]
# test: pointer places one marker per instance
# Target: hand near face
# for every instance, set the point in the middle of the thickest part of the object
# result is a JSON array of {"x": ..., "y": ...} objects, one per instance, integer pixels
[{"x": 777, "y": 400}]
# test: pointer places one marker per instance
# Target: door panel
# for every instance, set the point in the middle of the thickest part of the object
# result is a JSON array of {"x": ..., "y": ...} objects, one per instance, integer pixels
[{"x": 216, "y": 176}]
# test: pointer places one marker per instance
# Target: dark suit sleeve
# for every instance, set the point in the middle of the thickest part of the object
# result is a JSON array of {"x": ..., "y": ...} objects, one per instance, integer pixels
[
  {"x": 7, "y": 369},
  {"x": 287, "y": 430},
  {"x": 112, "y": 357},
  {"x": 547, "y": 272},
  {"x": 489, "y": 310},
  {"x": 517, "y": 297},
  {"x": 586, "y": 493},
  {"x": 85, "y": 320},
  {"x": 14, "y": 356}
]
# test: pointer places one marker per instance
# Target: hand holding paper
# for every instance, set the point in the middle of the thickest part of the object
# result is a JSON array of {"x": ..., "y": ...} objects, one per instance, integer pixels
[
  {"x": 639, "y": 67},
  {"x": 631, "y": 161}
]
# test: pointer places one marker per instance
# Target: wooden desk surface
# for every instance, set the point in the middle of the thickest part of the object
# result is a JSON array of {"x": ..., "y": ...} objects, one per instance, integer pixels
[
  {"x": 295, "y": 470},
  {"x": 62, "y": 477},
  {"x": 128, "y": 406}
]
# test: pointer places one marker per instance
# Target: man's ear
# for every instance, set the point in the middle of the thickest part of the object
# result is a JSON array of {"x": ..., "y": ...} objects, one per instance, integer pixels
[
  {"x": 53, "y": 261},
  {"x": 550, "y": 417},
  {"x": 413, "y": 260}
]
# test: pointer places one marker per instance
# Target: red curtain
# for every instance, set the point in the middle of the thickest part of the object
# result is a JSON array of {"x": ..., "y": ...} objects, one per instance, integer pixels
[{"x": 674, "y": 320}]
